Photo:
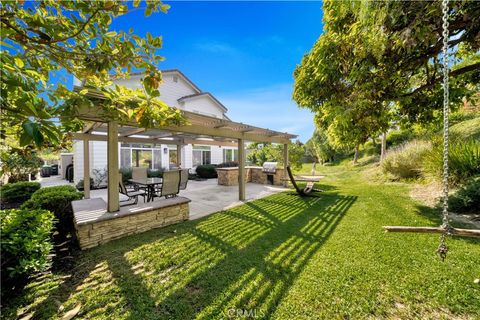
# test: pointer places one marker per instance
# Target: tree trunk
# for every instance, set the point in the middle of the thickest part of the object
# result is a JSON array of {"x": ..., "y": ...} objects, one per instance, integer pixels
[
  {"x": 355, "y": 156},
  {"x": 383, "y": 152}
]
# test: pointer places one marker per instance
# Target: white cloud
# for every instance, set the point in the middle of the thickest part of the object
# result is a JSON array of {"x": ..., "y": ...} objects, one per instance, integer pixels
[
  {"x": 215, "y": 47},
  {"x": 269, "y": 107}
]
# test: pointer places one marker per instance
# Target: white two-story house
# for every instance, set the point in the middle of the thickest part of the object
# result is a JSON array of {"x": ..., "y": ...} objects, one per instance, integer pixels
[{"x": 177, "y": 91}]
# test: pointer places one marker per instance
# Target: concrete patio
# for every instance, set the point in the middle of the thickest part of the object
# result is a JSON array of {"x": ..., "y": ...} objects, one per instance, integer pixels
[{"x": 206, "y": 197}]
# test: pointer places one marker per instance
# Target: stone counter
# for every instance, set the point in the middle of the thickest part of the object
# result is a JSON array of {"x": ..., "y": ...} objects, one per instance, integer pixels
[{"x": 229, "y": 176}]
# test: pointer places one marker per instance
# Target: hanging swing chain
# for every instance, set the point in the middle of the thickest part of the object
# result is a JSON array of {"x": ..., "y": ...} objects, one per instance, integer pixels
[{"x": 442, "y": 249}]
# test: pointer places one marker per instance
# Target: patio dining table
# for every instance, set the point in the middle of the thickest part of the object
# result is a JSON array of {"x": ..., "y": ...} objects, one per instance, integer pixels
[{"x": 149, "y": 183}]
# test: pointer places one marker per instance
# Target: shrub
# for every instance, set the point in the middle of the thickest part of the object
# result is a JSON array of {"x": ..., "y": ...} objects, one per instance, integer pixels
[
  {"x": 17, "y": 193},
  {"x": 154, "y": 173},
  {"x": 19, "y": 164},
  {"x": 405, "y": 162},
  {"x": 25, "y": 243},
  {"x": 466, "y": 129},
  {"x": 80, "y": 186},
  {"x": 126, "y": 174},
  {"x": 57, "y": 200},
  {"x": 207, "y": 171},
  {"x": 467, "y": 198},
  {"x": 398, "y": 137},
  {"x": 228, "y": 164},
  {"x": 463, "y": 160}
]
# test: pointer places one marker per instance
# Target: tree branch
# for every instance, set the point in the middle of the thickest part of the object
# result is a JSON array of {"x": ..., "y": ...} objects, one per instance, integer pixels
[
  {"x": 454, "y": 73},
  {"x": 80, "y": 30}
]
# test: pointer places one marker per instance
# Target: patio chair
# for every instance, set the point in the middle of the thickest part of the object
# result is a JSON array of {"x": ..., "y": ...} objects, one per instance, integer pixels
[
  {"x": 170, "y": 186},
  {"x": 183, "y": 179},
  {"x": 139, "y": 173},
  {"x": 131, "y": 194},
  {"x": 308, "y": 188}
]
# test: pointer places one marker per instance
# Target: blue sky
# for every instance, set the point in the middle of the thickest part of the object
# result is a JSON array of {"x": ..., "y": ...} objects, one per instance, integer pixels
[{"x": 244, "y": 53}]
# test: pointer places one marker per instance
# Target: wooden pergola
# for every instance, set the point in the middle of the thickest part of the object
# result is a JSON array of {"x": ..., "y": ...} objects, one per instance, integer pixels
[{"x": 200, "y": 129}]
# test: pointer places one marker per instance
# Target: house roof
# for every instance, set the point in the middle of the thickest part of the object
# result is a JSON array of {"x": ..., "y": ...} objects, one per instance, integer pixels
[
  {"x": 201, "y": 94},
  {"x": 180, "y": 73}
]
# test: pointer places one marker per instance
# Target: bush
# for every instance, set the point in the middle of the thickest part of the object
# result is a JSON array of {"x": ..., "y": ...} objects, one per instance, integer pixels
[
  {"x": 154, "y": 173},
  {"x": 207, "y": 171},
  {"x": 126, "y": 174},
  {"x": 463, "y": 160},
  {"x": 19, "y": 164},
  {"x": 467, "y": 198},
  {"x": 228, "y": 164},
  {"x": 25, "y": 243},
  {"x": 398, "y": 137},
  {"x": 466, "y": 129},
  {"x": 57, "y": 200},
  {"x": 405, "y": 162},
  {"x": 17, "y": 193},
  {"x": 80, "y": 186}
]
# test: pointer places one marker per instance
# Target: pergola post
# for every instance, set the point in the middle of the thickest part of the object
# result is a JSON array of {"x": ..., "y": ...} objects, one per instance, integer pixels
[
  {"x": 285, "y": 164},
  {"x": 241, "y": 169},
  {"x": 179, "y": 155},
  {"x": 113, "y": 203},
  {"x": 86, "y": 168}
]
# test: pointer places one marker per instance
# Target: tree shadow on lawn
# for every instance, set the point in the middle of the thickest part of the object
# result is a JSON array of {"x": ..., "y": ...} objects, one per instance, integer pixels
[{"x": 244, "y": 259}]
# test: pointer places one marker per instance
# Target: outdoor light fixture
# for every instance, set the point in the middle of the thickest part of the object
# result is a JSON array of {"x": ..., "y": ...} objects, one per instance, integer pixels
[{"x": 165, "y": 150}]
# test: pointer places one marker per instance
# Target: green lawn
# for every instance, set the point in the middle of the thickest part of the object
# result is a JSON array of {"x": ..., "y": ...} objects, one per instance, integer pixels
[{"x": 280, "y": 257}]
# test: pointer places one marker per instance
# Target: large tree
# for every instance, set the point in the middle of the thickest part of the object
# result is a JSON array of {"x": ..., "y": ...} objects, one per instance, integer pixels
[
  {"x": 379, "y": 61},
  {"x": 42, "y": 40}
]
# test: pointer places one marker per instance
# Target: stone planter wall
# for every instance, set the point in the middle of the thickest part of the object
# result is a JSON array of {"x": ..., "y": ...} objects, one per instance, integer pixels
[{"x": 109, "y": 226}]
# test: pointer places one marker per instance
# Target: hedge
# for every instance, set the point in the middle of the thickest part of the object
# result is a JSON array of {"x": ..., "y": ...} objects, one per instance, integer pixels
[
  {"x": 18, "y": 192},
  {"x": 57, "y": 200},
  {"x": 25, "y": 243},
  {"x": 207, "y": 171}
]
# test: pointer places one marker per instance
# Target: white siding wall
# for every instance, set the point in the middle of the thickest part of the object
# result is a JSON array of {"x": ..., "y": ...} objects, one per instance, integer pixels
[
  {"x": 187, "y": 156},
  {"x": 98, "y": 155},
  {"x": 165, "y": 157},
  {"x": 170, "y": 91},
  {"x": 77, "y": 160},
  {"x": 204, "y": 105},
  {"x": 217, "y": 154}
]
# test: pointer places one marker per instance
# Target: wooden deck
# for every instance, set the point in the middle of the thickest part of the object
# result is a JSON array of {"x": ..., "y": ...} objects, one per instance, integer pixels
[{"x": 94, "y": 225}]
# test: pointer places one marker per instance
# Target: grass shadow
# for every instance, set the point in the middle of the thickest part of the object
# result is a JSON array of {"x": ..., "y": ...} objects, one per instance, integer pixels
[
  {"x": 256, "y": 275},
  {"x": 244, "y": 258}
]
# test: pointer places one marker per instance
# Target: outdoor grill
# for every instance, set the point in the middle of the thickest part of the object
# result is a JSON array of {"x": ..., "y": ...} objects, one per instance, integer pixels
[{"x": 269, "y": 168}]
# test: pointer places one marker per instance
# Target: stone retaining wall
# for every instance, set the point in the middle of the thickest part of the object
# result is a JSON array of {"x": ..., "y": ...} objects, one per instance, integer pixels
[{"x": 110, "y": 226}]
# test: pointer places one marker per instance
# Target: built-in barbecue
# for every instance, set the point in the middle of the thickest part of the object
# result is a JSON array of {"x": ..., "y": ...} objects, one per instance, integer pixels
[{"x": 269, "y": 168}]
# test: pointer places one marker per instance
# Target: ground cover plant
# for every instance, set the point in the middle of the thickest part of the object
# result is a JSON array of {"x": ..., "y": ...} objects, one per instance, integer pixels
[{"x": 280, "y": 257}]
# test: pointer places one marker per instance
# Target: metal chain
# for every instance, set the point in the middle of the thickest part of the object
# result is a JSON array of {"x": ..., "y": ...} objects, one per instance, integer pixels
[{"x": 442, "y": 248}]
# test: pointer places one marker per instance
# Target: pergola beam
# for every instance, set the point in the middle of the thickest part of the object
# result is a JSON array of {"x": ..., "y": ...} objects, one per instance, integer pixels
[
  {"x": 97, "y": 137},
  {"x": 93, "y": 114},
  {"x": 90, "y": 127},
  {"x": 133, "y": 132}
]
